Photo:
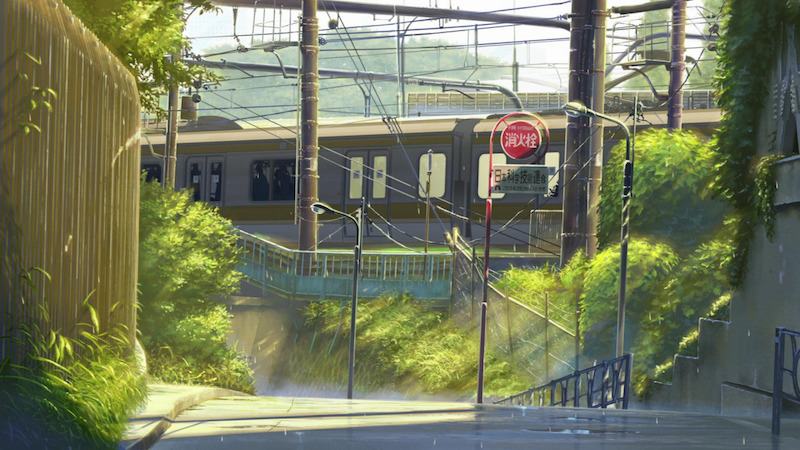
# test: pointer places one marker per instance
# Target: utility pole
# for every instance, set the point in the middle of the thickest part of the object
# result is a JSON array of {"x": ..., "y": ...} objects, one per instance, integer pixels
[
  {"x": 677, "y": 66},
  {"x": 309, "y": 48},
  {"x": 171, "y": 147},
  {"x": 598, "y": 68},
  {"x": 583, "y": 159}
]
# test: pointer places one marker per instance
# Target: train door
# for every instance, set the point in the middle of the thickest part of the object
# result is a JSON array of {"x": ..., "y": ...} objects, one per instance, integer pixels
[
  {"x": 205, "y": 177},
  {"x": 368, "y": 178}
]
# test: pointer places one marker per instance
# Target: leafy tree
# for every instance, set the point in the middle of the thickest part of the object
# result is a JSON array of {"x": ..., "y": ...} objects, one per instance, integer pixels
[
  {"x": 187, "y": 256},
  {"x": 140, "y": 34},
  {"x": 671, "y": 199}
]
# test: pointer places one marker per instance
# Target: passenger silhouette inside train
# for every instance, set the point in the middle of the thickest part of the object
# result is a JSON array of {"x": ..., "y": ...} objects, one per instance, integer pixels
[
  {"x": 282, "y": 184},
  {"x": 260, "y": 184}
]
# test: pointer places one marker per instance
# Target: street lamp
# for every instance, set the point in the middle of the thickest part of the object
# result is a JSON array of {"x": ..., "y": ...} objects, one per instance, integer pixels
[
  {"x": 577, "y": 109},
  {"x": 320, "y": 208}
]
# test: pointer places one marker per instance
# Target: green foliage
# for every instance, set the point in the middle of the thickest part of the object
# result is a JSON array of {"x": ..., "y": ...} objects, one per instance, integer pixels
[
  {"x": 401, "y": 346},
  {"x": 665, "y": 298},
  {"x": 766, "y": 186},
  {"x": 747, "y": 51},
  {"x": 140, "y": 34},
  {"x": 72, "y": 392},
  {"x": 671, "y": 201},
  {"x": 37, "y": 96},
  {"x": 562, "y": 289},
  {"x": 720, "y": 310},
  {"x": 187, "y": 256},
  {"x": 649, "y": 266}
]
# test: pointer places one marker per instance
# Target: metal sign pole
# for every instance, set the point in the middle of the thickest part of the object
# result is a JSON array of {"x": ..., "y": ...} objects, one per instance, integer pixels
[{"x": 484, "y": 303}]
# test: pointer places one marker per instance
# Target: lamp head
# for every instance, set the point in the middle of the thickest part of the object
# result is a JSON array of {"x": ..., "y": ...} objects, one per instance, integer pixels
[
  {"x": 576, "y": 109},
  {"x": 320, "y": 208}
]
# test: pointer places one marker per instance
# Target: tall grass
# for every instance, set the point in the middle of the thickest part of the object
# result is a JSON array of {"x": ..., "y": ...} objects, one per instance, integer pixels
[
  {"x": 70, "y": 392},
  {"x": 402, "y": 347}
]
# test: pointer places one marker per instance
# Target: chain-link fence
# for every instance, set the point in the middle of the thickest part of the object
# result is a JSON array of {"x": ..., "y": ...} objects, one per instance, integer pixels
[{"x": 543, "y": 345}]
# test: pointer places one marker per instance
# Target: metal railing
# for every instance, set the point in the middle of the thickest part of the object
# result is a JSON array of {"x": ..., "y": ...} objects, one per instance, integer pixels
[
  {"x": 599, "y": 386},
  {"x": 525, "y": 332},
  {"x": 780, "y": 369},
  {"x": 329, "y": 274},
  {"x": 447, "y": 103}
]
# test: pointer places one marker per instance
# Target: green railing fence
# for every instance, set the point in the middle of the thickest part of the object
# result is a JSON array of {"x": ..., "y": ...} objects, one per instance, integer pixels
[{"x": 303, "y": 275}]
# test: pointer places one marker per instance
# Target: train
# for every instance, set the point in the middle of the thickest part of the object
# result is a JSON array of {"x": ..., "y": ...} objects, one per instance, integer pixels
[{"x": 248, "y": 171}]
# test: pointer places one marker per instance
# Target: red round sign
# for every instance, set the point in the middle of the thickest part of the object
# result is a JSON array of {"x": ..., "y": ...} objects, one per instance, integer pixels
[{"x": 520, "y": 140}]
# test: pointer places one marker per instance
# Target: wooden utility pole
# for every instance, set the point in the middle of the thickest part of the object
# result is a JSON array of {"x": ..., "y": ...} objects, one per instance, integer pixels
[
  {"x": 677, "y": 66},
  {"x": 309, "y": 48}
]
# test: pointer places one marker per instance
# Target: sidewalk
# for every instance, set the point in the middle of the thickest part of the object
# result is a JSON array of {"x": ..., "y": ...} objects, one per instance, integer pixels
[{"x": 164, "y": 404}]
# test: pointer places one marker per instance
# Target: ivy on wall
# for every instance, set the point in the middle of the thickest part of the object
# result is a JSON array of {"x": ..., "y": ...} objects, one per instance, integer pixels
[{"x": 747, "y": 51}]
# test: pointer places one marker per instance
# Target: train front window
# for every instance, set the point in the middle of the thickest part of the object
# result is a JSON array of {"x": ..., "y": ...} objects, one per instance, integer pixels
[
  {"x": 356, "y": 177},
  {"x": 438, "y": 174}
]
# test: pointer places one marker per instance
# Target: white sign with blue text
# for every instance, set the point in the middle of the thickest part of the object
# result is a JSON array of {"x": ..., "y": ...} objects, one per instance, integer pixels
[{"x": 520, "y": 179}]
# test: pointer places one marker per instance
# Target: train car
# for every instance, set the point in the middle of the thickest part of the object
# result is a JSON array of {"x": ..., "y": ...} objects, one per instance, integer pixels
[{"x": 249, "y": 174}]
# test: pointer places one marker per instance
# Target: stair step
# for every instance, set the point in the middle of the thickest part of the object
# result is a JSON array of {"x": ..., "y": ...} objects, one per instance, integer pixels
[{"x": 741, "y": 400}]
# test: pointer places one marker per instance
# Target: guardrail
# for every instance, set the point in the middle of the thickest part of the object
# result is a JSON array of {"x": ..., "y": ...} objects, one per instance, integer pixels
[
  {"x": 602, "y": 385},
  {"x": 323, "y": 275},
  {"x": 780, "y": 369}
]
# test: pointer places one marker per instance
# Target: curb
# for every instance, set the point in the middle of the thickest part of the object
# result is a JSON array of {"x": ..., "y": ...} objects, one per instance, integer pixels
[{"x": 181, "y": 405}]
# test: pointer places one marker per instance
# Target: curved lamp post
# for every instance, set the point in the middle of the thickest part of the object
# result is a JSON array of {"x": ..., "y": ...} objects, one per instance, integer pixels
[
  {"x": 577, "y": 109},
  {"x": 321, "y": 208}
]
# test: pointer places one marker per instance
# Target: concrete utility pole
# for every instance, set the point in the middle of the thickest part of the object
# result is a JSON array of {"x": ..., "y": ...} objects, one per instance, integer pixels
[
  {"x": 598, "y": 29},
  {"x": 309, "y": 48},
  {"x": 583, "y": 159},
  {"x": 677, "y": 66}
]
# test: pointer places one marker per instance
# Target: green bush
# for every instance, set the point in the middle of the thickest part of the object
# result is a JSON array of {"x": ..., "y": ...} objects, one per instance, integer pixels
[
  {"x": 77, "y": 393},
  {"x": 671, "y": 202},
  {"x": 187, "y": 256},
  {"x": 562, "y": 289},
  {"x": 649, "y": 266}
]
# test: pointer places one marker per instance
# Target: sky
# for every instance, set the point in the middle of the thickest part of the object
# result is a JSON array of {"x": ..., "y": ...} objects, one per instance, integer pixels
[{"x": 541, "y": 52}]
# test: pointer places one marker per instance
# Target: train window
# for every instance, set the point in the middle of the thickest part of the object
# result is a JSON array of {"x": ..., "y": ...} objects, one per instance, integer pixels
[
  {"x": 356, "y": 177},
  {"x": 152, "y": 172},
  {"x": 282, "y": 184},
  {"x": 483, "y": 173},
  {"x": 553, "y": 162},
  {"x": 260, "y": 184},
  {"x": 275, "y": 174},
  {"x": 379, "y": 177},
  {"x": 194, "y": 180},
  {"x": 438, "y": 174},
  {"x": 215, "y": 189}
]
